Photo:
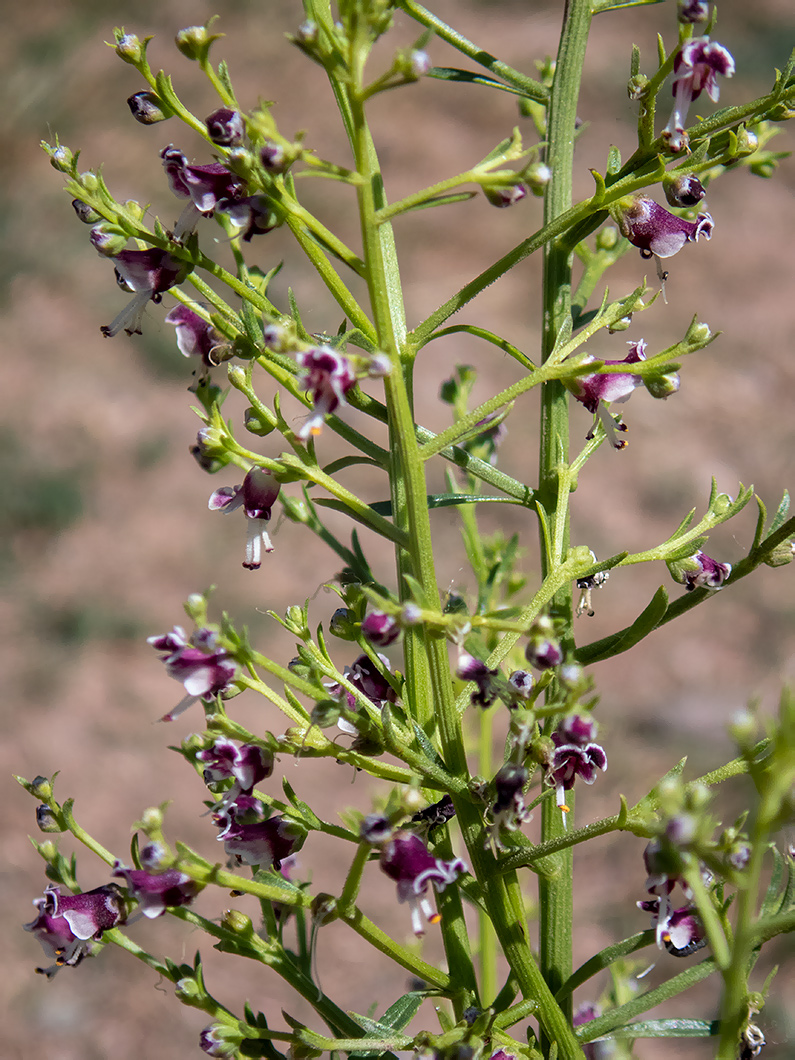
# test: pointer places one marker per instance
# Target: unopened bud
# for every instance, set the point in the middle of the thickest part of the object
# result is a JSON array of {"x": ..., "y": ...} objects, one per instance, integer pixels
[
  {"x": 507, "y": 195},
  {"x": 606, "y": 238},
  {"x": 781, "y": 555},
  {"x": 307, "y": 32},
  {"x": 129, "y": 48},
  {"x": 375, "y": 829},
  {"x": 663, "y": 385},
  {"x": 256, "y": 423},
  {"x": 683, "y": 190},
  {"x": 420, "y": 63},
  {"x": 747, "y": 142},
  {"x": 86, "y": 213},
  {"x": 61, "y": 158},
  {"x": 148, "y": 108},
  {"x": 636, "y": 86},
  {"x": 107, "y": 239},
  {"x": 698, "y": 333},
  {"x": 537, "y": 175},
  {"x": 47, "y": 820},
  {"x": 41, "y": 788},
  {"x": 238, "y": 922},
  {"x": 342, "y": 624},
  {"x": 225, "y": 127}
]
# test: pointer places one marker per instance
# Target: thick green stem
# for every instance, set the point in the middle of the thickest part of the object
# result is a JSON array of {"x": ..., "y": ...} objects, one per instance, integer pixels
[{"x": 555, "y": 888}]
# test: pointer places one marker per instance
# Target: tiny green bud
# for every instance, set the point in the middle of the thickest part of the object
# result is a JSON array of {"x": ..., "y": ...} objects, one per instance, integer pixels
[
  {"x": 41, "y": 788},
  {"x": 698, "y": 796},
  {"x": 152, "y": 819},
  {"x": 237, "y": 922},
  {"x": 537, "y": 176},
  {"x": 296, "y": 510},
  {"x": 196, "y": 608},
  {"x": 663, "y": 385},
  {"x": 606, "y": 238},
  {"x": 86, "y": 213},
  {"x": 129, "y": 48},
  {"x": 237, "y": 377},
  {"x": 698, "y": 333},
  {"x": 746, "y": 143},
  {"x": 256, "y": 423},
  {"x": 326, "y": 713},
  {"x": 62, "y": 159},
  {"x": 342, "y": 624},
  {"x": 189, "y": 991},
  {"x": 781, "y": 555},
  {"x": 324, "y": 909},
  {"x": 722, "y": 504},
  {"x": 194, "y": 42},
  {"x": 48, "y": 850},
  {"x": 636, "y": 86},
  {"x": 620, "y": 325},
  {"x": 743, "y": 728}
]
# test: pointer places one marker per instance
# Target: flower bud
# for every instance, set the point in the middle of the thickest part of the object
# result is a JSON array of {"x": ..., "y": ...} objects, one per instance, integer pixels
[
  {"x": 220, "y": 1039},
  {"x": 129, "y": 48},
  {"x": 522, "y": 682},
  {"x": 419, "y": 62},
  {"x": 256, "y": 423},
  {"x": 683, "y": 190},
  {"x": 342, "y": 624},
  {"x": 85, "y": 213},
  {"x": 381, "y": 629},
  {"x": 746, "y": 142},
  {"x": 606, "y": 238},
  {"x": 225, "y": 127},
  {"x": 507, "y": 195},
  {"x": 537, "y": 175},
  {"x": 296, "y": 510},
  {"x": 375, "y": 829},
  {"x": 636, "y": 86},
  {"x": 47, "y": 820},
  {"x": 62, "y": 159},
  {"x": 48, "y": 850},
  {"x": 148, "y": 108},
  {"x": 107, "y": 239},
  {"x": 325, "y": 713},
  {"x": 698, "y": 333},
  {"x": 663, "y": 385},
  {"x": 307, "y": 32},
  {"x": 41, "y": 788},
  {"x": 781, "y": 555},
  {"x": 194, "y": 42},
  {"x": 152, "y": 819},
  {"x": 189, "y": 991},
  {"x": 238, "y": 922}
]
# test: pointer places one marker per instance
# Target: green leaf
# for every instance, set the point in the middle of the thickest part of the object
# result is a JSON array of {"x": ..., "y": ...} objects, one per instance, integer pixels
[
  {"x": 613, "y": 161},
  {"x": 303, "y": 334},
  {"x": 600, "y": 6},
  {"x": 781, "y": 514},
  {"x": 670, "y": 1028},
  {"x": 399, "y": 1014},
  {"x": 350, "y": 461},
  {"x": 451, "y": 73},
  {"x": 603, "y": 960},
  {"x": 427, "y": 747},
  {"x": 761, "y": 519},
  {"x": 224, "y": 78},
  {"x": 444, "y": 500},
  {"x": 441, "y": 200},
  {"x": 646, "y": 622}
]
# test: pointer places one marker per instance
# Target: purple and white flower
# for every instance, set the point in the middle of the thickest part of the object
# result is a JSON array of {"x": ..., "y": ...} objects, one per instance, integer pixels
[
  {"x": 696, "y": 70},
  {"x": 700, "y": 571},
  {"x": 226, "y": 127},
  {"x": 487, "y": 685},
  {"x": 209, "y": 188},
  {"x": 251, "y": 840},
  {"x": 195, "y": 337},
  {"x": 656, "y": 231},
  {"x": 157, "y": 892},
  {"x": 406, "y": 859},
  {"x": 148, "y": 273},
  {"x": 66, "y": 924},
  {"x": 575, "y": 755},
  {"x": 329, "y": 375},
  {"x": 256, "y": 497},
  {"x": 247, "y": 765},
  {"x": 508, "y": 810},
  {"x": 543, "y": 648},
  {"x": 380, "y": 629},
  {"x": 598, "y": 390},
  {"x": 681, "y": 930},
  {"x": 204, "y": 670}
]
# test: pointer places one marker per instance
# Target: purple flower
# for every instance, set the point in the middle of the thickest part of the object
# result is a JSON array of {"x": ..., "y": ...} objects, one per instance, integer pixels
[
  {"x": 247, "y": 765},
  {"x": 507, "y": 195},
  {"x": 219, "y": 1039},
  {"x": 693, "y": 11},
  {"x": 380, "y": 629},
  {"x": 156, "y": 892},
  {"x": 522, "y": 681},
  {"x": 209, "y": 188},
  {"x": 256, "y": 497},
  {"x": 543, "y": 647},
  {"x": 575, "y": 755},
  {"x": 696, "y": 70},
  {"x": 329, "y": 376},
  {"x": 407, "y": 860},
  {"x": 654, "y": 230},
  {"x": 204, "y": 671},
  {"x": 681, "y": 930},
  {"x": 66, "y": 924},
  {"x": 508, "y": 810},
  {"x": 364, "y": 674},
  {"x": 597, "y": 391},
  {"x": 148, "y": 273},
  {"x": 486, "y": 687},
  {"x": 255, "y": 213},
  {"x": 584, "y": 1013},
  {"x": 195, "y": 337},
  {"x": 265, "y": 843},
  {"x": 225, "y": 127},
  {"x": 700, "y": 571}
]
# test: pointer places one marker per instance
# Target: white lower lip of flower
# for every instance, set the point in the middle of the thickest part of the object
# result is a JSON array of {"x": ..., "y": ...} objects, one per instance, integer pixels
[
  {"x": 257, "y": 541},
  {"x": 130, "y": 317}
]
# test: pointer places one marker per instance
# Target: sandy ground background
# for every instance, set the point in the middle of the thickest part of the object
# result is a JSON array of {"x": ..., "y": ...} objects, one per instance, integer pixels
[{"x": 104, "y": 517}]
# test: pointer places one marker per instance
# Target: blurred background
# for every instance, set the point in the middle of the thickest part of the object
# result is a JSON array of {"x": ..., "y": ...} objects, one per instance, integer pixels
[{"x": 105, "y": 528}]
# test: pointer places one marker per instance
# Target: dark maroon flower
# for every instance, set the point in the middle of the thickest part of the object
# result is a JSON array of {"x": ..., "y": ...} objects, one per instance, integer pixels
[
  {"x": 329, "y": 375},
  {"x": 508, "y": 810},
  {"x": 381, "y": 629},
  {"x": 225, "y": 127},
  {"x": 66, "y": 924},
  {"x": 407, "y": 860},
  {"x": 487, "y": 687},
  {"x": 256, "y": 497},
  {"x": 209, "y": 188},
  {"x": 195, "y": 337},
  {"x": 654, "y": 230},
  {"x": 148, "y": 273},
  {"x": 156, "y": 892},
  {"x": 575, "y": 755},
  {"x": 598, "y": 390},
  {"x": 247, "y": 765},
  {"x": 683, "y": 191},
  {"x": 696, "y": 70},
  {"x": 256, "y": 214},
  {"x": 506, "y": 196},
  {"x": 693, "y": 11},
  {"x": 543, "y": 647},
  {"x": 148, "y": 108},
  {"x": 205, "y": 671},
  {"x": 265, "y": 843}
]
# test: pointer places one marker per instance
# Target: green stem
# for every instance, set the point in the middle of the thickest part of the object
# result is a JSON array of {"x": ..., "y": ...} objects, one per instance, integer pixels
[{"x": 555, "y": 891}]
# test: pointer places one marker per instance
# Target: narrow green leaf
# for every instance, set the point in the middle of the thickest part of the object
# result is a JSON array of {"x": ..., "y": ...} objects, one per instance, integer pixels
[
  {"x": 442, "y": 200},
  {"x": 781, "y": 514},
  {"x": 670, "y": 1028},
  {"x": 444, "y": 500},
  {"x": 603, "y": 960},
  {"x": 613, "y": 161},
  {"x": 761, "y": 519},
  {"x": 772, "y": 900},
  {"x": 350, "y": 461},
  {"x": 451, "y": 73},
  {"x": 600, "y": 6},
  {"x": 399, "y": 1014},
  {"x": 644, "y": 624}
]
